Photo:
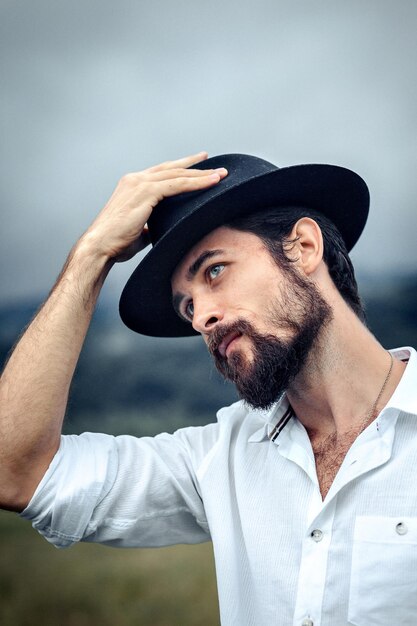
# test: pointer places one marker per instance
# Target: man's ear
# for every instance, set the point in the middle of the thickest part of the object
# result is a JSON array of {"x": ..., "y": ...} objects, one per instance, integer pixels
[{"x": 307, "y": 249}]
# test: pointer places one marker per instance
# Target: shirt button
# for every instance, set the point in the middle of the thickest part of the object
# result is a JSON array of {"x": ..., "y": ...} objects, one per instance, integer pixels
[
  {"x": 401, "y": 528},
  {"x": 317, "y": 536},
  {"x": 307, "y": 622}
]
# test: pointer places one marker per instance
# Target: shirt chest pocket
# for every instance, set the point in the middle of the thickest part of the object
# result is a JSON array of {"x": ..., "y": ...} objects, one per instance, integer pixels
[{"x": 383, "y": 587}]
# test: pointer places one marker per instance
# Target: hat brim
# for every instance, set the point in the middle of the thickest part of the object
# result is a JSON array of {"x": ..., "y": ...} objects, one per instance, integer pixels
[{"x": 340, "y": 194}]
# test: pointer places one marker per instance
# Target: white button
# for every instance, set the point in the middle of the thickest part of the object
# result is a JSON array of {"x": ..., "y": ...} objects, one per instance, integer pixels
[
  {"x": 317, "y": 535},
  {"x": 401, "y": 528},
  {"x": 307, "y": 622}
]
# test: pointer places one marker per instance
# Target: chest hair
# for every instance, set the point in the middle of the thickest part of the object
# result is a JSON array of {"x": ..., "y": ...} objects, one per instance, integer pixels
[{"x": 329, "y": 454}]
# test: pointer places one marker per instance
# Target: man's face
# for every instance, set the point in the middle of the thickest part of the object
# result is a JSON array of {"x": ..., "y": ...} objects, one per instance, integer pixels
[{"x": 258, "y": 321}]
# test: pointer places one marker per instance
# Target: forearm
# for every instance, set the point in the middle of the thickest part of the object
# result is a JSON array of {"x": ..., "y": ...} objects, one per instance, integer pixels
[{"x": 35, "y": 383}]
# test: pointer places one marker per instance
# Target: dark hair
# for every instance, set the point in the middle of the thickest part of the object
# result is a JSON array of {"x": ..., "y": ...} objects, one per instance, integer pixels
[{"x": 274, "y": 225}]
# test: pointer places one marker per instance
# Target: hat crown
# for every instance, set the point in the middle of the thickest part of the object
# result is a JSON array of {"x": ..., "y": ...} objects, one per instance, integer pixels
[{"x": 240, "y": 167}]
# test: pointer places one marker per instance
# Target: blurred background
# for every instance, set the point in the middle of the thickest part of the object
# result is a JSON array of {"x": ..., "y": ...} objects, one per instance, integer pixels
[{"x": 92, "y": 89}]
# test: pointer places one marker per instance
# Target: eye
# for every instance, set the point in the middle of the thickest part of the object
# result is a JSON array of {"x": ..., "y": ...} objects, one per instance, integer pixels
[
  {"x": 189, "y": 309},
  {"x": 215, "y": 270}
]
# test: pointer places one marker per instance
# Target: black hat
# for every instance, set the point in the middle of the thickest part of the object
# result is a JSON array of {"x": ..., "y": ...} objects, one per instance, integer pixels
[{"x": 179, "y": 222}]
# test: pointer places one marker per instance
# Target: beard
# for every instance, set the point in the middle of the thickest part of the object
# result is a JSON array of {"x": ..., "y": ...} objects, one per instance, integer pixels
[{"x": 276, "y": 362}]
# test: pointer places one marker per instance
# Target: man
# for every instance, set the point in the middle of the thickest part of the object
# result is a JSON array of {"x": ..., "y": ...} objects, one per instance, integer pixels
[{"x": 306, "y": 486}]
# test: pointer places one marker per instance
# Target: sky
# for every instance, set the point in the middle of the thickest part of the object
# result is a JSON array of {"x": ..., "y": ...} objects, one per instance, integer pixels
[{"x": 92, "y": 89}]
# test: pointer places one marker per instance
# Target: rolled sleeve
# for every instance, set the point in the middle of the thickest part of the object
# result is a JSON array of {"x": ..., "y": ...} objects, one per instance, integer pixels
[{"x": 121, "y": 491}]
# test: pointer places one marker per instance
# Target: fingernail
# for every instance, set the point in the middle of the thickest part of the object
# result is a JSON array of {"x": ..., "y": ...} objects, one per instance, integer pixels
[{"x": 221, "y": 170}]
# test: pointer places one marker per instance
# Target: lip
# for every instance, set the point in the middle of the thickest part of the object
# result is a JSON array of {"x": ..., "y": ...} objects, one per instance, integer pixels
[{"x": 224, "y": 345}]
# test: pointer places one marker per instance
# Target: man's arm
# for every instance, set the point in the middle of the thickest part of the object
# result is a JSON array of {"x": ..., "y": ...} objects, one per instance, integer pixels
[{"x": 35, "y": 383}]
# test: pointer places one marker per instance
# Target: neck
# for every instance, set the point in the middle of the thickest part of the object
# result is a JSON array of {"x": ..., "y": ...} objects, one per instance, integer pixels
[{"x": 345, "y": 382}]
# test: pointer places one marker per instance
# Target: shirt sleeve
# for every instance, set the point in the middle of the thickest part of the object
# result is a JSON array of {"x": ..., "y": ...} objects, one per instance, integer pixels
[{"x": 124, "y": 491}]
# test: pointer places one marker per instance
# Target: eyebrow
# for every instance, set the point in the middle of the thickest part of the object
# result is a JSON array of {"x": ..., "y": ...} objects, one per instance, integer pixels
[{"x": 191, "y": 272}]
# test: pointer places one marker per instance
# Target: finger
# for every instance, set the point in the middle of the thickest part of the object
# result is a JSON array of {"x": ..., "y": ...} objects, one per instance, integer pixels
[
  {"x": 186, "y": 161},
  {"x": 145, "y": 239},
  {"x": 175, "y": 186},
  {"x": 182, "y": 173}
]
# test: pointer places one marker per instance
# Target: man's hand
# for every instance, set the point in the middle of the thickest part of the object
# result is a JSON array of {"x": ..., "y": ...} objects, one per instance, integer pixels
[{"x": 119, "y": 231}]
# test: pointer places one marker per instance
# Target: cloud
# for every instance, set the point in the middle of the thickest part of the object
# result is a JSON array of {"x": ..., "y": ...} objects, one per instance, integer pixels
[{"x": 93, "y": 89}]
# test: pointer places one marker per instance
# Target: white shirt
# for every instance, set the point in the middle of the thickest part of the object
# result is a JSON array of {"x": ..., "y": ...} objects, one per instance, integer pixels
[{"x": 283, "y": 556}]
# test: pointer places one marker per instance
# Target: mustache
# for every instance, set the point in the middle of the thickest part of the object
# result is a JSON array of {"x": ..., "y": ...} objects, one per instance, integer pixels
[{"x": 240, "y": 326}]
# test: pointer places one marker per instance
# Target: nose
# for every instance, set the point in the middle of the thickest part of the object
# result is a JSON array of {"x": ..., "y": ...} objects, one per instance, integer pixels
[{"x": 207, "y": 313}]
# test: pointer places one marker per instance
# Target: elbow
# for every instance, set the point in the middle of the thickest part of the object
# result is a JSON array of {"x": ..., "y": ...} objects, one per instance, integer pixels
[
  {"x": 15, "y": 498},
  {"x": 17, "y": 485}
]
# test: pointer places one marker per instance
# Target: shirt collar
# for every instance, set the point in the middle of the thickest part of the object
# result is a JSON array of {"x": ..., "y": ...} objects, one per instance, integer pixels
[
  {"x": 275, "y": 420},
  {"x": 404, "y": 397}
]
